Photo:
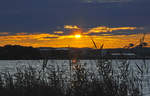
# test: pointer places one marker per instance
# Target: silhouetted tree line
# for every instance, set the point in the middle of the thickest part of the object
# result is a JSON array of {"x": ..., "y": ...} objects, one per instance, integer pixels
[{"x": 18, "y": 52}]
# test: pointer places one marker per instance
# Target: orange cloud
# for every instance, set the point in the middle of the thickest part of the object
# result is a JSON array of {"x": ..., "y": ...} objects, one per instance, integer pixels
[
  {"x": 57, "y": 40},
  {"x": 50, "y": 40},
  {"x": 107, "y": 29},
  {"x": 122, "y": 28},
  {"x": 71, "y": 27},
  {"x": 4, "y": 33},
  {"x": 22, "y": 33},
  {"x": 21, "y": 36},
  {"x": 58, "y": 32}
]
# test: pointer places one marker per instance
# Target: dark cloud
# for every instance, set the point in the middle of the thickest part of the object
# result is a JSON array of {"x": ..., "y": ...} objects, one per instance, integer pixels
[
  {"x": 106, "y": 1},
  {"x": 48, "y": 15}
]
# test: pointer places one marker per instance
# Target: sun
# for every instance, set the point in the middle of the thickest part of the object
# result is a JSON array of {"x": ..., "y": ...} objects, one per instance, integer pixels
[{"x": 77, "y": 36}]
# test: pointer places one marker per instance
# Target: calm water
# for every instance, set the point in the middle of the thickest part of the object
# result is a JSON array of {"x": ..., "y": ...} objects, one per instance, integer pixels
[{"x": 10, "y": 65}]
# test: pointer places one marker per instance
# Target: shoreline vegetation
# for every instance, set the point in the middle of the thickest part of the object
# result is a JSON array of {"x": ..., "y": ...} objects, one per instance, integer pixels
[{"x": 17, "y": 52}]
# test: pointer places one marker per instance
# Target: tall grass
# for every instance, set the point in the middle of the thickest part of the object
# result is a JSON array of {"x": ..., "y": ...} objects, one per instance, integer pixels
[{"x": 107, "y": 80}]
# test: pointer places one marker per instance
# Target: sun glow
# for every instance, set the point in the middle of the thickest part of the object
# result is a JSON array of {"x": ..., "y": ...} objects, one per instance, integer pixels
[{"x": 78, "y": 36}]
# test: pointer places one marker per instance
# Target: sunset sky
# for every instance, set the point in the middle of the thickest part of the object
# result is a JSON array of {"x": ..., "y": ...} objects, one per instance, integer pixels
[{"x": 63, "y": 23}]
